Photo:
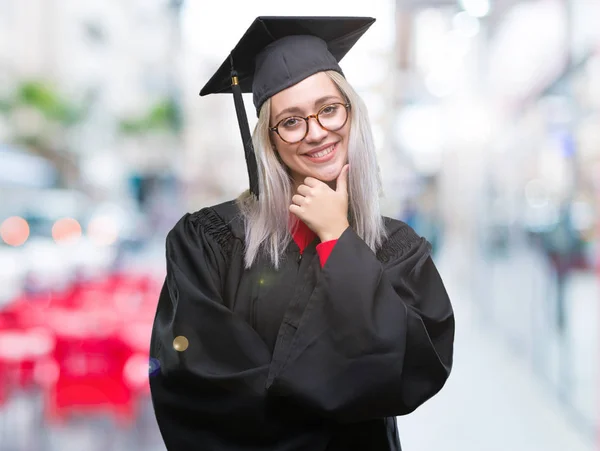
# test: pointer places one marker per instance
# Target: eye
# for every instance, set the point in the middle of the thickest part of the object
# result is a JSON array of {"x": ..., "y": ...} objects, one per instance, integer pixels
[
  {"x": 291, "y": 122},
  {"x": 329, "y": 109}
]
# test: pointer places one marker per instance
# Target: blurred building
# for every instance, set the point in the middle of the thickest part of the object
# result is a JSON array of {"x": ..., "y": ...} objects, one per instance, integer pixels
[
  {"x": 484, "y": 116},
  {"x": 498, "y": 102},
  {"x": 116, "y": 63}
]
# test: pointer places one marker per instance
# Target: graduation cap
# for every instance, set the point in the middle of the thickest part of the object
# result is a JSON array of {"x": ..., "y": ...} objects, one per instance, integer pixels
[{"x": 276, "y": 53}]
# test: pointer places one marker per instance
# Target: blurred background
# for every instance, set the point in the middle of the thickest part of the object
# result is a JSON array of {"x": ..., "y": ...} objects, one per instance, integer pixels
[{"x": 486, "y": 118}]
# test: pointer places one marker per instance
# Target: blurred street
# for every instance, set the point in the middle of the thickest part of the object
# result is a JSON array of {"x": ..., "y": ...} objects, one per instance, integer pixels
[
  {"x": 484, "y": 115},
  {"x": 492, "y": 401}
]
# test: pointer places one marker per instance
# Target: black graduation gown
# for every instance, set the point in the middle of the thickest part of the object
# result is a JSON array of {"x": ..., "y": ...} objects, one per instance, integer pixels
[{"x": 303, "y": 358}]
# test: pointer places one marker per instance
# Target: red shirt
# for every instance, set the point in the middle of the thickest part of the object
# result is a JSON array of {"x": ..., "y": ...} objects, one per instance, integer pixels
[{"x": 303, "y": 236}]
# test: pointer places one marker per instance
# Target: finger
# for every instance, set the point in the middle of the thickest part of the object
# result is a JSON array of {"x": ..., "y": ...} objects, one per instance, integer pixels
[
  {"x": 298, "y": 200},
  {"x": 342, "y": 180},
  {"x": 312, "y": 182},
  {"x": 295, "y": 209},
  {"x": 305, "y": 190}
]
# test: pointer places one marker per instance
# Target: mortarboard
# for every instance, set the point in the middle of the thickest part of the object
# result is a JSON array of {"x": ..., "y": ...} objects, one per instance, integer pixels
[{"x": 276, "y": 53}]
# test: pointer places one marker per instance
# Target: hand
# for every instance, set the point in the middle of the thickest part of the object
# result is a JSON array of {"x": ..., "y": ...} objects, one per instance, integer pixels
[{"x": 322, "y": 209}]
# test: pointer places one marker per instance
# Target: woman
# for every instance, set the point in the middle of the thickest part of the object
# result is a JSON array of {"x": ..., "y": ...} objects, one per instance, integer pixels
[{"x": 296, "y": 317}]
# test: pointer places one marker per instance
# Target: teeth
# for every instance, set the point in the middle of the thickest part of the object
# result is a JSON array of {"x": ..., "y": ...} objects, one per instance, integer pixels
[{"x": 322, "y": 153}]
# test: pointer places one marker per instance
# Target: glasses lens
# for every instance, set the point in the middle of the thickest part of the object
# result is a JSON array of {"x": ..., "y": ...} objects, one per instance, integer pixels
[
  {"x": 333, "y": 117},
  {"x": 292, "y": 129}
]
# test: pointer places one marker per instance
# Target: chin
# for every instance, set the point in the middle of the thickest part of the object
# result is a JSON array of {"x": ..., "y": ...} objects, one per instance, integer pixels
[
  {"x": 326, "y": 176},
  {"x": 330, "y": 176},
  {"x": 322, "y": 177}
]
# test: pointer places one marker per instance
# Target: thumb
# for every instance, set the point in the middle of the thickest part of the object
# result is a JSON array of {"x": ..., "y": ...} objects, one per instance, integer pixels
[{"x": 342, "y": 180}]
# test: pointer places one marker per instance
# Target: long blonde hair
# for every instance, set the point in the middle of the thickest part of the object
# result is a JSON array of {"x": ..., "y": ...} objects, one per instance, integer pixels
[{"x": 267, "y": 221}]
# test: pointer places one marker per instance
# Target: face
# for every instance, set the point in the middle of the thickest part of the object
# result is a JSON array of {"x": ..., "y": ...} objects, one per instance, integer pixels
[{"x": 302, "y": 158}]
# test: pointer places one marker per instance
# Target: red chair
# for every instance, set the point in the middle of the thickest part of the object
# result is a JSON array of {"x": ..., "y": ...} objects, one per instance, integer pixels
[
  {"x": 90, "y": 359},
  {"x": 97, "y": 357},
  {"x": 4, "y": 372},
  {"x": 21, "y": 349},
  {"x": 137, "y": 337}
]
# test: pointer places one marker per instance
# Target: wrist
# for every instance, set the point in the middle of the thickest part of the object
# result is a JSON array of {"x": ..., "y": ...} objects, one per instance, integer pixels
[{"x": 334, "y": 233}]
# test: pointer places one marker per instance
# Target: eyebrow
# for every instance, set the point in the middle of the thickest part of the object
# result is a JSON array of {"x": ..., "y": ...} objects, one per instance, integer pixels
[{"x": 297, "y": 110}]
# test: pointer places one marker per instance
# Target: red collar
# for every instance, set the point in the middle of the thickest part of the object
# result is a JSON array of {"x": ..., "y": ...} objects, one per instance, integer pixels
[{"x": 303, "y": 236}]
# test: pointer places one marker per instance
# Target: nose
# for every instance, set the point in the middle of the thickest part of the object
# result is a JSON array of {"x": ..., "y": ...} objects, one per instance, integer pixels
[{"x": 316, "y": 133}]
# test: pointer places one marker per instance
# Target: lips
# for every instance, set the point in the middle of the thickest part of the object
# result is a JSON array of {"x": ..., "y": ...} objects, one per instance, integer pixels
[
  {"x": 325, "y": 153},
  {"x": 318, "y": 149}
]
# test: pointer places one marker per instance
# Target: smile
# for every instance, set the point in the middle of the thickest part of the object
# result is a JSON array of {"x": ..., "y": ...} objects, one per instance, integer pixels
[{"x": 322, "y": 155}]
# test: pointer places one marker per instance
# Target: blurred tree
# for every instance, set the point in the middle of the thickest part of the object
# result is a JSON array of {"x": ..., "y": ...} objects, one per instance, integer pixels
[
  {"x": 4, "y": 106},
  {"x": 152, "y": 132},
  {"x": 164, "y": 116},
  {"x": 40, "y": 118},
  {"x": 42, "y": 97}
]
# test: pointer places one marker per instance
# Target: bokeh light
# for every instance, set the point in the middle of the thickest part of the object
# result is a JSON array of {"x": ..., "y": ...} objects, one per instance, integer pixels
[
  {"x": 180, "y": 343},
  {"x": 103, "y": 231},
  {"x": 14, "y": 231},
  {"x": 153, "y": 366},
  {"x": 66, "y": 230},
  {"x": 484, "y": 115},
  {"x": 476, "y": 8},
  {"x": 465, "y": 24}
]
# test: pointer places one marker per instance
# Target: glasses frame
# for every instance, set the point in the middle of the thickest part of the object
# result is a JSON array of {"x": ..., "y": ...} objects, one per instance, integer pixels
[{"x": 306, "y": 119}]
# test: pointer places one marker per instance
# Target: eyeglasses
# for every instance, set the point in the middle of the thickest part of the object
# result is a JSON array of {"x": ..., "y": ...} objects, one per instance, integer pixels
[{"x": 330, "y": 117}]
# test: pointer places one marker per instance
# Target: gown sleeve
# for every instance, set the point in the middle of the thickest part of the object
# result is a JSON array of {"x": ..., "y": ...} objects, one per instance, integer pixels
[
  {"x": 201, "y": 352},
  {"x": 377, "y": 336}
]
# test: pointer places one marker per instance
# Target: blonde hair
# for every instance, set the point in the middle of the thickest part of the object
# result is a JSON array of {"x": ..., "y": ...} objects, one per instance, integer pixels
[{"x": 268, "y": 226}]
